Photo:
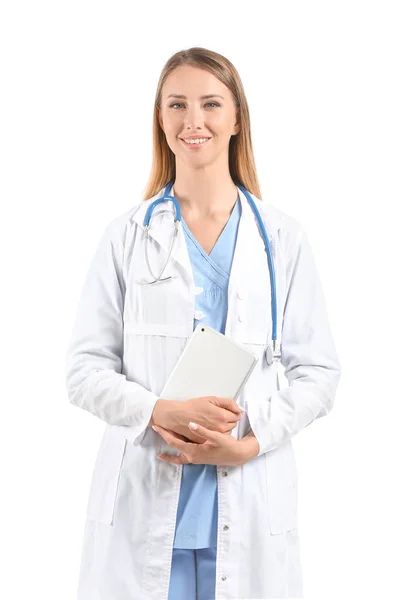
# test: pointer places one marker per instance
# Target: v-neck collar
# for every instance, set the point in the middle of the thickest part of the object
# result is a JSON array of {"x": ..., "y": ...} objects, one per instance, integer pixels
[{"x": 221, "y": 235}]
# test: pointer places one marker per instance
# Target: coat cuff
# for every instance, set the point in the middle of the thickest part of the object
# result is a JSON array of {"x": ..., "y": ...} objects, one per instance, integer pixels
[{"x": 285, "y": 413}]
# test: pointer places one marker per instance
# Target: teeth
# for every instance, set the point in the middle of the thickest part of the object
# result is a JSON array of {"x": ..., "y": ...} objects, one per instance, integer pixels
[{"x": 200, "y": 141}]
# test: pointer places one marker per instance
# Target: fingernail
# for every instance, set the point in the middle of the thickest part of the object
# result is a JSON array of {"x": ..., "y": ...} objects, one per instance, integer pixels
[
  {"x": 154, "y": 428},
  {"x": 192, "y": 425},
  {"x": 241, "y": 409}
]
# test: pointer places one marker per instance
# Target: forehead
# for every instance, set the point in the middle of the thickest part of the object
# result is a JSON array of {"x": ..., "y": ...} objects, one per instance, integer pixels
[{"x": 193, "y": 82}]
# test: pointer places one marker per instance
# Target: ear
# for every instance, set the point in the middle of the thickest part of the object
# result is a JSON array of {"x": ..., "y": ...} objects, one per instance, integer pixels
[{"x": 236, "y": 127}]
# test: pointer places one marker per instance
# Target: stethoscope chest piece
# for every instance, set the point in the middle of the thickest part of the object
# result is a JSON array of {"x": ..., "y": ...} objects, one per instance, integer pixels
[{"x": 273, "y": 354}]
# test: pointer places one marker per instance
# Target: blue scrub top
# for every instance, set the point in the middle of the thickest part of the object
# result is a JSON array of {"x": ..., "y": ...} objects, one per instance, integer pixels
[{"x": 197, "y": 513}]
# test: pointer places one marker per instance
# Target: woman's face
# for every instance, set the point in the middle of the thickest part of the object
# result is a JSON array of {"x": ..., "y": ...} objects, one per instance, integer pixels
[{"x": 191, "y": 115}]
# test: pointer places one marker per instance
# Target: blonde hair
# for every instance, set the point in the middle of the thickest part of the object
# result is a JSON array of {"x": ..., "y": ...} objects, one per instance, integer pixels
[{"x": 241, "y": 160}]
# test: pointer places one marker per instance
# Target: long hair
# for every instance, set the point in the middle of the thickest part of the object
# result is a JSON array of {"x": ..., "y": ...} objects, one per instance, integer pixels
[{"x": 241, "y": 160}]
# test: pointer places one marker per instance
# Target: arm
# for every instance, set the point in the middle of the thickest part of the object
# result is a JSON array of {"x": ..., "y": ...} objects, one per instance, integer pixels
[
  {"x": 94, "y": 357},
  {"x": 307, "y": 353}
]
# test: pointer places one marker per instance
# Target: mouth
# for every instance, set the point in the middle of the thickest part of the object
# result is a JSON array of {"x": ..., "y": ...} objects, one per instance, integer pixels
[{"x": 193, "y": 145}]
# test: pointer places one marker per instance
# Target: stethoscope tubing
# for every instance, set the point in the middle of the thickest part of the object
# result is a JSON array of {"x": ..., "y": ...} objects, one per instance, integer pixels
[{"x": 263, "y": 232}]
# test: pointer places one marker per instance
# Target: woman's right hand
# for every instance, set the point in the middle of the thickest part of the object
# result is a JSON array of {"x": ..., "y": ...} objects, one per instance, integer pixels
[{"x": 212, "y": 412}]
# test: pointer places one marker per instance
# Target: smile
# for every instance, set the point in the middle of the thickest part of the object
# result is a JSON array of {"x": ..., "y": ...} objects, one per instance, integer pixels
[{"x": 196, "y": 143}]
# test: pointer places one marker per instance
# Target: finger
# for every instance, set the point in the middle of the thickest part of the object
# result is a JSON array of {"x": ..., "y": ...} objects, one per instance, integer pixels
[
  {"x": 208, "y": 434},
  {"x": 161, "y": 430},
  {"x": 177, "y": 460},
  {"x": 231, "y": 405},
  {"x": 171, "y": 439}
]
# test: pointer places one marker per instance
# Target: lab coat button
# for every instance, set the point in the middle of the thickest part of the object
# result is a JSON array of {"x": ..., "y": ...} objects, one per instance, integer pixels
[
  {"x": 226, "y": 527},
  {"x": 240, "y": 318},
  {"x": 241, "y": 294},
  {"x": 224, "y": 473},
  {"x": 223, "y": 578}
]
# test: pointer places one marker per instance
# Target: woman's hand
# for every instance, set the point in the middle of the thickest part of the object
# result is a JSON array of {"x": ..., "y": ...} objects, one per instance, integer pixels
[
  {"x": 214, "y": 449},
  {"x": 211, "y": 412}
]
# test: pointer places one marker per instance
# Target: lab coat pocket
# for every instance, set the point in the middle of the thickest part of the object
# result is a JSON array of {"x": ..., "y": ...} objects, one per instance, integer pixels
[
  {"x": 106, "y": 472},
  {"x": 157, "y": 304},
  {"x": 282, "y": 489}
]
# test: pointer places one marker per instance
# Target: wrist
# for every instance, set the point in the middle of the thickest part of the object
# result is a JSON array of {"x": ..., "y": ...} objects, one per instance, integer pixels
[
  {"x": 160, "y": 413},
  {"x": 156, "y": 411},
  {"x": 251, "y": 447}
]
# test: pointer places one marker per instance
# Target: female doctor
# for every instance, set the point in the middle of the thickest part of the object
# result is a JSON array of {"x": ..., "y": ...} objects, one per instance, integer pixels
[{"x": 215, "y": 517}]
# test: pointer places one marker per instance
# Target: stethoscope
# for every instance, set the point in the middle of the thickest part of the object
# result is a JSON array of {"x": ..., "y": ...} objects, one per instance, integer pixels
[{"x": 272, "y": 354}]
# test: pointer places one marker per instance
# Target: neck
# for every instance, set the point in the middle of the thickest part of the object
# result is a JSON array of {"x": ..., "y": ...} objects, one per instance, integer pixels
[{"x": 202, "y": 196}]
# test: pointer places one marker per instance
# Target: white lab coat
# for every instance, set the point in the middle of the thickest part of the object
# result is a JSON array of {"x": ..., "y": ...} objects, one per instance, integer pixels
[{"x": 126, "y": 339}]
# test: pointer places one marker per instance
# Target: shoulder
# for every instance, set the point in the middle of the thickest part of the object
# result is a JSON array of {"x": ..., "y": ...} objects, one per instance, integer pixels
[
  {"x": 287, "y": 228},
  {"x": 125, "y": 224},
  {"x": 285, "y": 221}
]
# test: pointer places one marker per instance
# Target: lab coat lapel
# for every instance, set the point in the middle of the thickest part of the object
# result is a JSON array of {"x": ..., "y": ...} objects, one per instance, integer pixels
[
  {"x": 249, "y": 266},
  {"x": 161, "y": 231},
  {"x": 250, "y": 270}
]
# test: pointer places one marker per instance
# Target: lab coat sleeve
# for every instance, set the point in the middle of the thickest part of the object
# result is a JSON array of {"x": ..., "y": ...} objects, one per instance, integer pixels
[
  {"x": 308, "y": 354},
  {"x": 94, "y": 357}
]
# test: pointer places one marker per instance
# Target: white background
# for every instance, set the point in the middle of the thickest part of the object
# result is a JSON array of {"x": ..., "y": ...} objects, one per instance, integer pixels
[{"x": 325, "y": 87}]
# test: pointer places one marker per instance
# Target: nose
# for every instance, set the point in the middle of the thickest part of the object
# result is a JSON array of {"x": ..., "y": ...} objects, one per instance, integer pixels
[{"x": 193, "y": 118}]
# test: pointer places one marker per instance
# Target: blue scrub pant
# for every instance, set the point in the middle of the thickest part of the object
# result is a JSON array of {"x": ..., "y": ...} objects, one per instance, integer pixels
[{"x": 193, "y": 574}]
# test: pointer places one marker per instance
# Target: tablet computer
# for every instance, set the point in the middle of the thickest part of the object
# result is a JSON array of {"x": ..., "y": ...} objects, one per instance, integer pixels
[{"x": 211, "y": 364}]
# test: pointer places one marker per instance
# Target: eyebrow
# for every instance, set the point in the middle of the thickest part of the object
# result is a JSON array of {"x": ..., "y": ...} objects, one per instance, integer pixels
[{"x": 201, "y": 97}]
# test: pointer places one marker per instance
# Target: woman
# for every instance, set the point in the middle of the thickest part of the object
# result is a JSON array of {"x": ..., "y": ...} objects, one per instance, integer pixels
[{"x": 216, "y": 516}]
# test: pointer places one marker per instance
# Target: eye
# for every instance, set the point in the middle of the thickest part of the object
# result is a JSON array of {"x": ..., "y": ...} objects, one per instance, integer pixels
[{"x": 178, "y": 104}]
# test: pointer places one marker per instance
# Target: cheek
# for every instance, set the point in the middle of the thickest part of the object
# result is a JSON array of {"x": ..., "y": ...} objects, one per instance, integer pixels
[
  {"x": 173, "y": 130},
  {"x": 172, "y": 139},
  {"x": 171, "y": 124},
  {"x": 220, "y": 127}
]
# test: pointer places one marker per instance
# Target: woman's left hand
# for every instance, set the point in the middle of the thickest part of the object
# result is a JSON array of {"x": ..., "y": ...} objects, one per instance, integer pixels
[{"x": 218, "y": 449}]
